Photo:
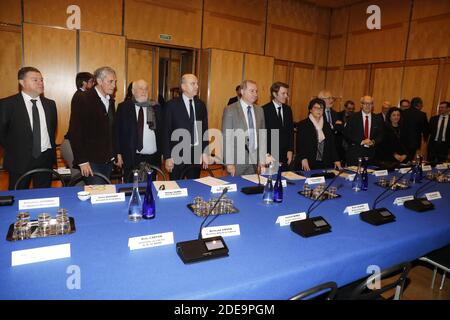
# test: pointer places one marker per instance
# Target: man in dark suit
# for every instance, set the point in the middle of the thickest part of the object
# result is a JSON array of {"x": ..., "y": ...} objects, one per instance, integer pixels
[
  {"x": 185, "y": 124},
  {"x": 384, "y": 109},
  {"x": 236, "y": 98},
  {"x": 84, "y": 82},
  {"x": 28, "y": 123},
  {"x": 138, "y": 125},
  {"x": 416, "y": 125},
  {"x": 439, "y": 143},
  {"x": 93, "y": 137},
  {"x": 279, "y": 123},
  {"x": 363, "y": 132}
]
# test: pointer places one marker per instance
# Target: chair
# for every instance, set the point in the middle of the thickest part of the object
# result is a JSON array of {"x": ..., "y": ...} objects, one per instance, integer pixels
[
  {"x": 332, "y": 286},
  {"x": 440, "y": 259},
  {"x": 39, "y": 170},
  {"x": 79, "y": 178},
  {"x": 363, "y": 292},
  {"x": 143, "y": 169}
]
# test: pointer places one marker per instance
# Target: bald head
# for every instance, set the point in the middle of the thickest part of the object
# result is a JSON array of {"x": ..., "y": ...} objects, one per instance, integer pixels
[
  {"x": 326, "y": 96},
  {"x": 366, "y": 104},
  {"x": 189, "y": 85},
  {"x": 139, "y": 88}
]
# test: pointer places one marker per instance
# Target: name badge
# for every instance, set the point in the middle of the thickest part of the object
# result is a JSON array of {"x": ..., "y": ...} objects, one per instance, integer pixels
[
  {"x": 357, "y": 209},
  {"x": 107, "y": 198},
  {"x": 174, "y": 193},
  {"x": 399, "y": 201},
  {"x": 315, "y": 180},
  {"x": 287, "y": 219},
  {"x": 441, "y": 166},
  {"x": 433, "y": 195},
  {"x": 426, "y": 168},
  {"x": 380, "y": 173},
  {"x": 150, "y": 241},
  {"x": 224, "y": 231},
  {"x": 219, "y": 189},
  {"x": 34, "y": 255},
  {"x": 38, "y": 203}
]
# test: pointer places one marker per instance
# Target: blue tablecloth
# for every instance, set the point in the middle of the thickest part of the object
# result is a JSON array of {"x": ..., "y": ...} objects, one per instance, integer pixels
[{"x": 266, "y": 261}]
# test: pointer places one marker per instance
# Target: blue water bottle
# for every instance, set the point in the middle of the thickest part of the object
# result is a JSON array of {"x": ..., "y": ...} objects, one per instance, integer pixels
[
  {"x": 278, "y": 188},
  {"x": 148, "y": 207}
]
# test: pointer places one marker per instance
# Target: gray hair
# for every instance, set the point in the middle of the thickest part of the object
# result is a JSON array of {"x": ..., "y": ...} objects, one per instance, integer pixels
[{"x": 101, "y": 73}]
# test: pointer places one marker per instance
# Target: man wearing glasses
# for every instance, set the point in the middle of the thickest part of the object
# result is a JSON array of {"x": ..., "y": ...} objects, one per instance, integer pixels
[{"x": 364, "y": 131}]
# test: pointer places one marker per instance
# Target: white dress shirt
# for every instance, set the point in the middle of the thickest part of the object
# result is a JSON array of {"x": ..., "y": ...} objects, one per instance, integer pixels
[
  {"x": 149, "y": 138},
  {"x": 444, "y": 132},
  {"x": 45, "y": 138},
  {"x": 244, "y": 106},
  {"x": 364, "y": 121},
  {"x": 104, "y": 99},
  {"x": 277, "y": 105},
  {"x": 186, "y": 104}
]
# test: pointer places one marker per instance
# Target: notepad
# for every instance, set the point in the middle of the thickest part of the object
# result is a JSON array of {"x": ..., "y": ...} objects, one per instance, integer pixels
[
  {"x": 211, "y": 181},
  {"x": 166, "y": 185},
  {"x": 292, "y": 175},
  {"x": 100, "y": 189}
]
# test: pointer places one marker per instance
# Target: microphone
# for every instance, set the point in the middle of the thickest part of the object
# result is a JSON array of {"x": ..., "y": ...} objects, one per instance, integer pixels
[
  {"x": 259, "y": 188},
  {"x": 203, "y": 249},
  {"x": 314, "y": 226},
  {"x": 380, "y": 216},
  {"x": 421, "y": 204}
]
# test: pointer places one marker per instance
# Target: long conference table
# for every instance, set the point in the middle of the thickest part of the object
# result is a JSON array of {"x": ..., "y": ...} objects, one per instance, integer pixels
[{"x": 266, "y": 261}]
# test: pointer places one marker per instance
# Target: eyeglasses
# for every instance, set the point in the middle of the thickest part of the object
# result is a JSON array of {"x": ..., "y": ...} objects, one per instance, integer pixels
[{"x": 367, "y": 103}]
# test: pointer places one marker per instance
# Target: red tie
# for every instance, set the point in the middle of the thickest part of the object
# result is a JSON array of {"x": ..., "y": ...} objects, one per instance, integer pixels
[{"x": 366, "y": 128}]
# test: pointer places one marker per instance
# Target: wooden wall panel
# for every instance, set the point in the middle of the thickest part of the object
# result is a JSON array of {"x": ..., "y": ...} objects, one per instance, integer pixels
[
  {"x": 318, "y": 80},
  {"x": 98, "y": 50},
  {"x": 140, "y": 66},
  {"x": 302, "y": 94},
  {"x": 181, "y": 19},
  {"x": 281, "y": 72},
  {"x": 11, "y": 11},
  {"x": 12, "y": 54},
  {"x": 387, "y": 86},
  {"x": 290, "y": 44},
  {"x": 321, "y": 50},
  {"x": 420, "y": 81},
  {"x": 334, "y": 83},
  {"x": 445, "y": 95},
  {"x": 96, "y": 15},
  {"x": 336, "y": 51},
  {"x": 259, "y": 69},
  {"x": 53, "y": 52},
  {"x": 339, "y": 21},
  {"x": 427, "y": 8},
  {"x": 354, "y": 86},
  {"x": 234, "y": 25}
]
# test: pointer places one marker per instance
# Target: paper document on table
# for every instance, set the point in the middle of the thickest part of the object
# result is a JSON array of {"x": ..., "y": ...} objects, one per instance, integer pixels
[
  {"x": 166, "y": 185},
  {"x": 254, "y": 178},
  {"x": 355, "y": 169},
  {"x": 344, "y": 175},
  {"x": 100, "y": 189},
  {"x": 211, "y": 181},
  {"x": 292, "y": 175}
]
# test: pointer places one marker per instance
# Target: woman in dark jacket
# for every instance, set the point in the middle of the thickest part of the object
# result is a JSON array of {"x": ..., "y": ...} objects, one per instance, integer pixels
[
  {"x": 316, "y": 148},
  {"x": 392, "y": 151}
]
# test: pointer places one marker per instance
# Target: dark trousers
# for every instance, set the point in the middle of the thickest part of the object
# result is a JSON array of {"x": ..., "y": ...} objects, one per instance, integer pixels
[
  {"x": 187, "y": 170},
  {"x": 40, "y": 180},
  {"x": 437, "y": 151},
  {"x": 103, "y": 168},
  {"x": 153, "y": 159}
]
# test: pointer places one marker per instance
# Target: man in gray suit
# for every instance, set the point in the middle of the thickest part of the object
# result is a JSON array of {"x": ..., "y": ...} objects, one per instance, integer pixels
[{"x": 244, "y": 134}]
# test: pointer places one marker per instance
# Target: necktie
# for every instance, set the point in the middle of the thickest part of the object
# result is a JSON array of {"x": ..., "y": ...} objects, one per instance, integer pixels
[
  {"x": 140, "y": 130},
  {"x": 440, "y": 136},
  {"x": 327, "y": 111},
  {"x": 280, "y": 118},
  {"x": 36, "y": 130},
  {"x": 251, "y": 129},
  {"x": 192, "y": 121},
  {"x": 366, "y": 128}
]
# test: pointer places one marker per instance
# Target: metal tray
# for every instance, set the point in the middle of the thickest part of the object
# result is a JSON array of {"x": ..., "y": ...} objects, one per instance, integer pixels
[
  {"x": 397, "y": 186},
  {"x": 34, "y": 230},
  {"x": 234, "y": 210},
  {"x": 326, "y": 193}
]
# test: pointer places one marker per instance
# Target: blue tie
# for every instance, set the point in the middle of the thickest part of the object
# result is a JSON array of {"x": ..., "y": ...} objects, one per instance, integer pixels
[
  {"x": 251, "y": 129},
  {"x": 327, "y": 111}
]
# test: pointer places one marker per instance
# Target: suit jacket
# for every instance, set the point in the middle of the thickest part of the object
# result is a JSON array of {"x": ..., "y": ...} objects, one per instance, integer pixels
[
  {"x": 307, "y": 143},
  {"x": 434, "y": 121},
  {"x": 354, "y": 134},
  {"x": 286, "y": 133},
  {"x": 76, "y": 96},
  {"x": 126, "y": 126},
  {"x": 233, "y": 118},
  {"x": 16, "y": 135},
  {"x": 176, "y": 117},
  {"x": 92, "y": 134},
  {"x": 391, "y": 143},
  {"x": 416, "y": 124}
]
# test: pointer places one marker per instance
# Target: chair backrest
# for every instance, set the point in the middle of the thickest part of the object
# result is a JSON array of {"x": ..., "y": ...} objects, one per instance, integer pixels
[
  {"x": 143, "y": 170},
  {"x": 363, "y": 292},
  {"x": 215, "y": 168},
  {"x": 39, "y": 170},
  {"x": 332, "y": 286},
  {"x": 79, "y": 178}
]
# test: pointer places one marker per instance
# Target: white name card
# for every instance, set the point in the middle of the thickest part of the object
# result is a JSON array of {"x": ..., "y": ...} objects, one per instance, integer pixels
[
  {"x": 174, "y": 193},
  {"x": 34, "y": 255},
  {"x": 441, "y": 166},
  {"x": 219, "y": 189},
  {"x": 357, "y": 209},
  {"x": 404, "y": 170},
  {"x": 399, "y": 201},
  {"x": 150, "y": 241},
  {"x": 426, "y": 168},
  {"x": 224, "y": 231},
  {"x": 287, "y": 219},
  {"x": 433, "y": 195},
  {"x": 380, "y": 173},
  {"x": 315, "y": 180},
  {"x": 351, "y": 177},
  {"x": 63, "y": 170},
  {"x": 107, "y": 198},
  {"x": 38, "y": 203}
]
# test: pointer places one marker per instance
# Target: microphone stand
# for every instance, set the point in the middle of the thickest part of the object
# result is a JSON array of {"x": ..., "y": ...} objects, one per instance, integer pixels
[{"x": 259, "y": 188}]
